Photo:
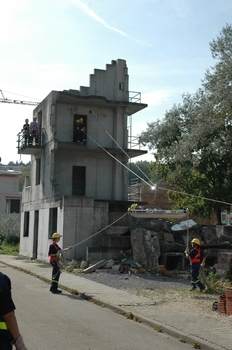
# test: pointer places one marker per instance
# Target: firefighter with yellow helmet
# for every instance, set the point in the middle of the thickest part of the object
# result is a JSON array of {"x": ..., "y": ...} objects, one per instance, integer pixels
[
  {"x": 53, "y": 253},
  {"x": 197, "y": 259}
]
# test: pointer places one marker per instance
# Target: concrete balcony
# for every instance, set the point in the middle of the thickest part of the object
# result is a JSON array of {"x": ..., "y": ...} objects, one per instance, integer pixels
[{"x": 28, "y": 145}]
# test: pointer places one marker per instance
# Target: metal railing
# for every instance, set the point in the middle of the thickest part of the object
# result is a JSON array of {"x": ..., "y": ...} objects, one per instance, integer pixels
[
  {"x": 28, "y": 141},
  {"x": 134, "y": 96}
]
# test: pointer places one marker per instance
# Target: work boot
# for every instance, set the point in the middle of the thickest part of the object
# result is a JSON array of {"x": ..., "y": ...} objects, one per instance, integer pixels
[
  {"x": 202, "y": 288},
  {"x": 55, "y": 290},
  {"x": 193, "y": 288}
]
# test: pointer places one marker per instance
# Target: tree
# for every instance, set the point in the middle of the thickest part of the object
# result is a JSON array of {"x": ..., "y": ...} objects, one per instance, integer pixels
[
  {"x": 142, "y": 171},
  {"x": 193, "y": 142}
]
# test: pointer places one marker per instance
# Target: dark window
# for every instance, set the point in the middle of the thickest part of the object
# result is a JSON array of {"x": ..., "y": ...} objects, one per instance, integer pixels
[
  {"x": 52, "y": 221},
  {"x": 37, "y": 174},
  {"x": 78, "y": 181},
  {"x": 26, "y": 224},
  {"x": 13, "y": 206}
]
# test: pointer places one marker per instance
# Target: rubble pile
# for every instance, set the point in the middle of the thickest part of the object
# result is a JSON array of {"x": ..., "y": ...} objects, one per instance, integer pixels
[{"x": 154, "y": 243}]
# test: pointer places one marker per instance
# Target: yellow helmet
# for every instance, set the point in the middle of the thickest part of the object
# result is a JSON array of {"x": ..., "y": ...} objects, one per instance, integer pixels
[
  {"x": 196, "y": 241},
  {"x": 26, "y": 120},
  {"x": 56, "y": 235}
]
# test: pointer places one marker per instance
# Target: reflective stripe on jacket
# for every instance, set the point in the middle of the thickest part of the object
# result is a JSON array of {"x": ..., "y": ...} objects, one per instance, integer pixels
[{"x": 3, "y": 326}]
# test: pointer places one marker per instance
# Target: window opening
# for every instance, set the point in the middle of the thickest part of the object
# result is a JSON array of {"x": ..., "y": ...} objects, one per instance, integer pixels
[
  {"x": 26, "y": 224},
  {"x": 37, "y": 175},
  {"x": 13, "y": 206},
  {"x": 52, "y": 221},
  {"x": 78, "y": 181}
]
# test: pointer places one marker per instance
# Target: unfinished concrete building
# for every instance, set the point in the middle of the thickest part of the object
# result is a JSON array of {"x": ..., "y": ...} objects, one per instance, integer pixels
[{"x": 78, "y": 183}]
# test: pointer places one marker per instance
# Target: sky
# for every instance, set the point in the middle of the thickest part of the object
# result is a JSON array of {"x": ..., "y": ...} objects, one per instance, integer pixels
[{"x": 50, "y": 45}]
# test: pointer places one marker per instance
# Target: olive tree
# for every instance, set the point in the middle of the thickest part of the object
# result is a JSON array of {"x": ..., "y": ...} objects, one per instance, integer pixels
[{"x": 193, "y": 142}]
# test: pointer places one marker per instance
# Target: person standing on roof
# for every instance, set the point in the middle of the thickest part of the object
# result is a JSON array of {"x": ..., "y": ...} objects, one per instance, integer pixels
[
  {"x": 197, "y": 259},
  {"x": 9, "y": 331}
]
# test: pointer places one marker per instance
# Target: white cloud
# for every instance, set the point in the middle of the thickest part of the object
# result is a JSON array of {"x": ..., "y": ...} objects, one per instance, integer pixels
[{"x": 95, "y": 17}]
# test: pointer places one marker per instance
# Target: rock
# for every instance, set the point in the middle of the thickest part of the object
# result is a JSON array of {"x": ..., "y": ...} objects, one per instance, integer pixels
[
  {"x": 168, "y": 237},
  {"x": 108, "y": 264},
  {"x": 116, "y": 231},
  {"x": 146, "y": 248},
  {"x": 166, "y": 247},
  {"x": 209, "y": 234},
  {"x": 156, "y": 225},
  {"x": 98, "y": 265},
  {"x": 225, "y": 239},
  {"x": 83, "y": 264}
]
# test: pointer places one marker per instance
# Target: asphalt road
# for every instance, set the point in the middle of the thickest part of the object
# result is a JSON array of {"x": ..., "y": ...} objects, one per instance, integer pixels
[{"x": 70, "y": 323}]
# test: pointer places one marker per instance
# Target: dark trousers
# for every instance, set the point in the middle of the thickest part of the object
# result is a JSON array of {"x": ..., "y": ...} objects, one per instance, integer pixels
[
  {"x": 194, "y": 272},
  {"x": 5, "y": 340},
  {"x": 55, "y": 274}
]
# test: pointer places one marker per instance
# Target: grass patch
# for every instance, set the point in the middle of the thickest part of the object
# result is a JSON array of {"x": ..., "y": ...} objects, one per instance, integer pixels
[
  {"x": 10, "y": 249},
  {"x": 158, "y": 329}
]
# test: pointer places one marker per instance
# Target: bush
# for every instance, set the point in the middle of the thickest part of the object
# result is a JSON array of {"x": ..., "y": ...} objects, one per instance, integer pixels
[
  {"x": 13, "y": 240},
  {"x": 2, "y": 238},
  {"x": 10, "y": 225}
]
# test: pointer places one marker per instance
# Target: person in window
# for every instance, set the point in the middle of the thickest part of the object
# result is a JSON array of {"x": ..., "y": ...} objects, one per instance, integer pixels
[
  {"x": 80, "y": 131},
  {"x": 9, "y": 330}
]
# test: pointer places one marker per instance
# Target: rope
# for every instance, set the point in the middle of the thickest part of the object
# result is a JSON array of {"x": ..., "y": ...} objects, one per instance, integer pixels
[
  {"x": 130, "y": 158},
  {"x": 111, "y": 155},
  {"x": 195, "y": 196},
  {"x": 152, "y": 184},
  {"x": 104, "y": 228}
]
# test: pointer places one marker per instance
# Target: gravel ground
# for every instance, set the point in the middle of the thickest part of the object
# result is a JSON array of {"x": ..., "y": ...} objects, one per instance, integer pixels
[{"x": 171, "y": 291}]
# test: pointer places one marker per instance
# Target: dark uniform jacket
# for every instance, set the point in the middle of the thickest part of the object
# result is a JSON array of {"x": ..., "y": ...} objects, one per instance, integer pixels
[{"x": 6, "y": 305}]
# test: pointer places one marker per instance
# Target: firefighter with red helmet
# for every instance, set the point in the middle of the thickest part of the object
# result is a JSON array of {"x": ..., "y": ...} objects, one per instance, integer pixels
[{"x": 197, "y": 259}]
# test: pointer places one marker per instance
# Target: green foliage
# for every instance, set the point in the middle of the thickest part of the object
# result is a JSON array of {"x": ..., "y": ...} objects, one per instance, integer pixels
[
  {"x": 217, "y": 283},
  {"x": 193, "y": 148},
  {"x": 12, "y": 240},
  {"x": 73, "y": 266},
  {"x": 10, "y": 225},
  {"x": 9, "y": 249},
  {"x": 2, "y": 238},
  {"x": 142, "y": 170}
]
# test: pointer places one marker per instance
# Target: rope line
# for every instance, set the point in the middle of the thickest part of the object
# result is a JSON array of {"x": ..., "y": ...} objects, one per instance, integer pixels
[
  {"x": 152, "y": 184},
  {"x": 104, "y": 228},
  {"x": 130, "y": 158},
  {"x": 111, "y": 155},
  {"x": 193, "y": 195}
]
